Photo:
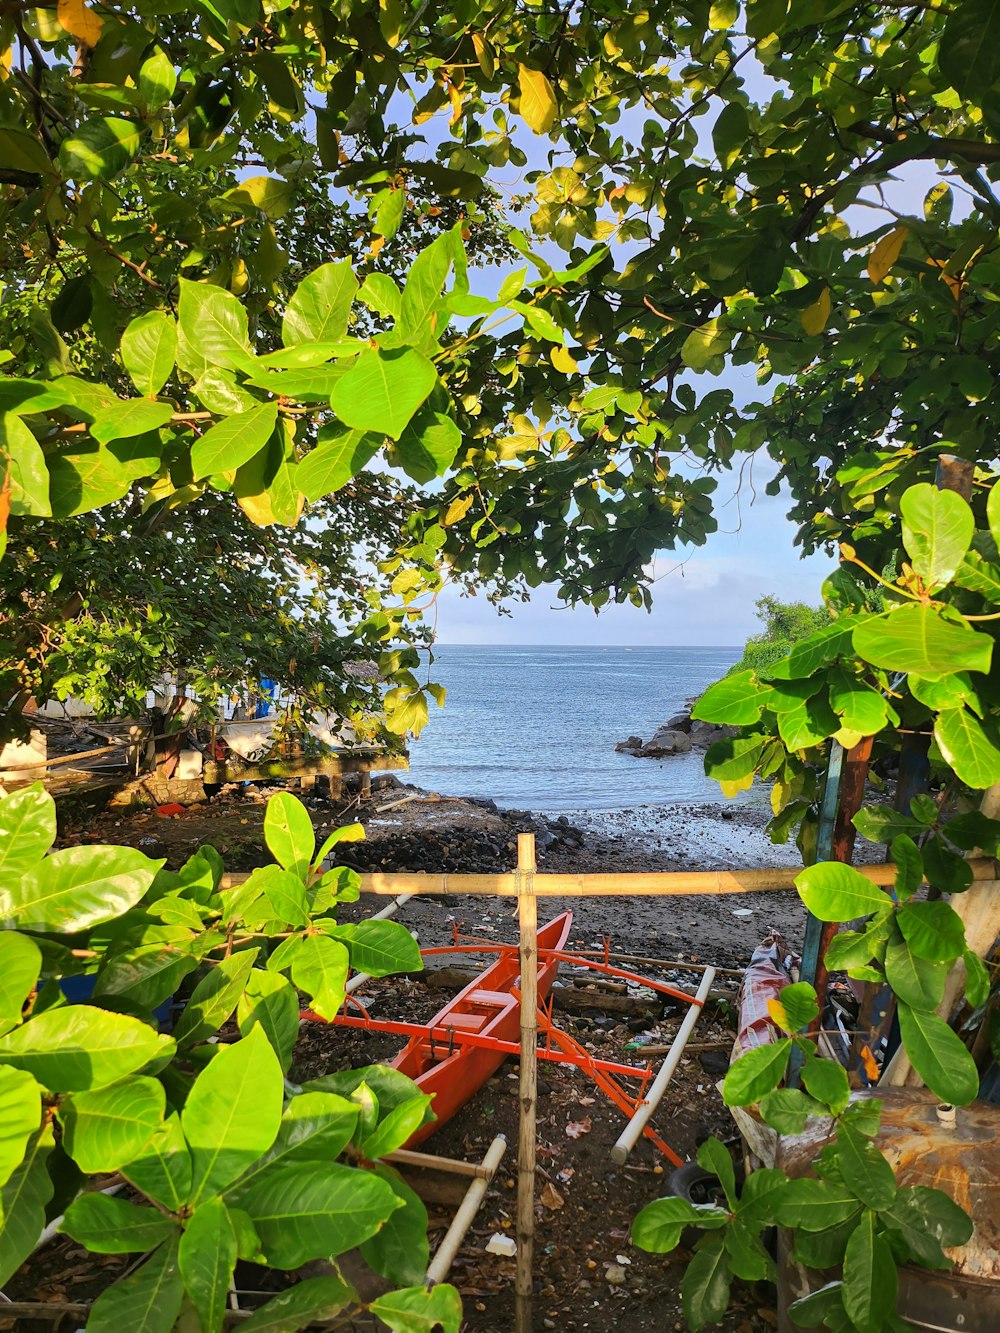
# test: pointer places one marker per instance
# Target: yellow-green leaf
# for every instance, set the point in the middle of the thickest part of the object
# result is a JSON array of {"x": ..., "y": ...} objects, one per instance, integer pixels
[
  {"x": 885, "y": 253},
  {"x": 538, "y": 99},
  {"x": 814, "y": 317}
]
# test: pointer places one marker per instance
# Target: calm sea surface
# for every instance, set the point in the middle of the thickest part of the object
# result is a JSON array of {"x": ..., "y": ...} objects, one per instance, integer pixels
[{"x": 535, "y": 728}]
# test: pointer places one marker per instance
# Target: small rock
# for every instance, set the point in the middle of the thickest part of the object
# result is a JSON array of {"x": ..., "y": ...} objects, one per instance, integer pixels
[{"x": 615, "y": 1275}]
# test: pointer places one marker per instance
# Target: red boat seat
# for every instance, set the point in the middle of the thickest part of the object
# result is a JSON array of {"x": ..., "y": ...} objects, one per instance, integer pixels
[
  {"x": 495, "y": 999},
  {"x": 466, "y": 1022}
]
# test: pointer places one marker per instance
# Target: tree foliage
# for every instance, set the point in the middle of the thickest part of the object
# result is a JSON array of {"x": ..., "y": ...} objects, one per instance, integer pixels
[{"x": 784, "y": 624}]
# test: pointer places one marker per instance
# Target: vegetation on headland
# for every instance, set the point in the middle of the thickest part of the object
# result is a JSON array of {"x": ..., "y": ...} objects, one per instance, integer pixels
[
  {"x": 784, "y": 624},
  {"x": 725, "y": 183}
]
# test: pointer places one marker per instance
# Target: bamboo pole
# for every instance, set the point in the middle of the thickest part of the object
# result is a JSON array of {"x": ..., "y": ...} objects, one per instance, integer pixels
[
  {"x": 654, "y": 884},
  {"x": 630, "y": 1134},
  {"x": 428, "y": 1161},
  {"x": 444, "y": 1255},
  {"x": 527, "y": 914}
]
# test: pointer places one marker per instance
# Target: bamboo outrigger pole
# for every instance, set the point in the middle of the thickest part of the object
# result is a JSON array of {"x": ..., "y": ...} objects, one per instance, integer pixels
[
  {"x": 629, "y": 1136},
  {"x": 527, "y": 913}
]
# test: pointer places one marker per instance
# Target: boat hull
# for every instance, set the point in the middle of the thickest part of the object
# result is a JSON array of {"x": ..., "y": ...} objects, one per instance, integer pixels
[{"x": 452, "y": 1073}]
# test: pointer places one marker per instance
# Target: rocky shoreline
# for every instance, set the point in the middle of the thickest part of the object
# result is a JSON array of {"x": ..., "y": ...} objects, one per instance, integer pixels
[
  {"x": 407, "y": 829},
  {"x": 679, "y": 735}
]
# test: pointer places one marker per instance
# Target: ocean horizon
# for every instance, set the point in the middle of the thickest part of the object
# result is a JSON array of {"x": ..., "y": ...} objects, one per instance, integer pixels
[{"x": 534, "y": 726}]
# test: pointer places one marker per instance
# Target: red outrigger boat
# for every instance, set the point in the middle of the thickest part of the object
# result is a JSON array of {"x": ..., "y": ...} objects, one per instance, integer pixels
[{"x": 451, "y": 1070}]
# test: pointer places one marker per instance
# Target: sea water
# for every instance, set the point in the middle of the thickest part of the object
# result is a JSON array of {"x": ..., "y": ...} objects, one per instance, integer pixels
[{"x": 535, "y": 727}]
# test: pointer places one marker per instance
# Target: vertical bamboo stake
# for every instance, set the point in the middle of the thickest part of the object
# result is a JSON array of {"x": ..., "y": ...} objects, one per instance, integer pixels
[{"x": 527, "y": 913}]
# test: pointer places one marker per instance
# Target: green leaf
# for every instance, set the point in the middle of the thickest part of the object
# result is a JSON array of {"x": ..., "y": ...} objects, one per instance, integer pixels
[
  {"x": 22, "y": 1204},
  {"x": 212, "y": 329},
  {"x": 733, "y": 762},
  {"x": 320, "y": 305},
  {"x": 383, "y": 389},
  {"x": 928, "y": 1221},
  {"x": 933, "y": 930},
  {"x": 381, "y": 294},
  {"x": 99, "y": 150},
  {"x": 823, "y": 1306},
  {"x": 756, "y": 1073},
  {"x": 788, "y": 1109},
  {"x": 537, "y": 103},
  {"x": 428, "y": 445},
  {"x": 736, "y": 700},
  {"x": 109, "y": 1225},
  {"x": 123, "y": 421},
  {"x": 232, "y": 1113},
  {"x": 420, "y": 321},
  {"x": 104, "y": 1129},
  {"x": 149, "y": 350},
  {"x": 393, "y": 1130},
  {"x": 417, "y": 1310},
  {"x": 918, "y": 638},
  {"x": 214, "y": 998},
  {"x": 918, "y": 982},
  {"x": 233, "y": 441},
  {"x": 207, "y": 1257},
  {"x": 798, "y": 1002},
  {"x": 712, "y": 1156},
  {"x": 729, "y": 133},
  {"x": 815, "y": 1205},
  {"x": 836, "y": 892},
  {"x": 968, "y": 55},
  {"x": 658, "y": 1227},
  {"x": 340, "y": 454},
  {"x": 315, "y": 1127},
  {"x": 288, "y": 832},
  {"x": 157, "y": 80},
  {"x": 147, "y": 1302},
  {"x": 977, "y": 979},
  {"x": 399, "y": 1250},
  {"x": 78, "y": 887},
  {"x": 351, "y": 833},
  {"x": 747, "y": 1257},
  {"x": 910, "y": 874},
  {"x": 870, "y": 1279},
  {"x": 27, "y": 830},
  {"x": 849, "y": 949},
  {"x": 270, "y": 1001},
  {"x": 163, "y": 1168},
  {"x": 319, "y": 967},
  {"x": 881, "y": 823},
  {"x": 937, "y": 531},
  {"x": 864, "y": 1170},
  {"x": 969, "y": 746},
  {"x": 313, "y": 1301},
  {"x": 26, "y": 470},
  {"x": 20, "y": 1113},
  {"x": 20, "y": 965},
  {"x": 706, "y": 1283},
  {"x": 826, "y": 1080},
  {"x": 704, "y": 348},
  {"x": 938, "y": 1056},
  {"x": 763, "y": 1190},
  {"x": 75, "y": 1048},
  {"x": 310, "y": 1211},
  {"x": 378, "y": 951}
]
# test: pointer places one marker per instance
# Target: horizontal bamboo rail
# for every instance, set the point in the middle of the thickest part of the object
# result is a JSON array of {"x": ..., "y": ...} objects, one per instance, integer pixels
[{"x": 665, "y": 883}]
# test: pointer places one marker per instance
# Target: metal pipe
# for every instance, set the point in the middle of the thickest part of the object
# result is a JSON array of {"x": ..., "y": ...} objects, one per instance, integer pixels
[
  {"x": 630, "y": 1134},
  {"x": 444, "y": 1255}
]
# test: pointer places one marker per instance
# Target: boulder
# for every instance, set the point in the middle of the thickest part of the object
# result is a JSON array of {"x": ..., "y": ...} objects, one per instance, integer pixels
[
  {"x": 679, "y": 721},
  {"x": 631, "y": 746},
  {"x": 666, "y": 741},
  {"x": 704, "y": 734}
]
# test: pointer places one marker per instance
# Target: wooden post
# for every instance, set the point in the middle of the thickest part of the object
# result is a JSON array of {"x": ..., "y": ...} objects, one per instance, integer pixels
[
  {"x": 444, "y": 1256},
  {"x": 527, "y": 914}
]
